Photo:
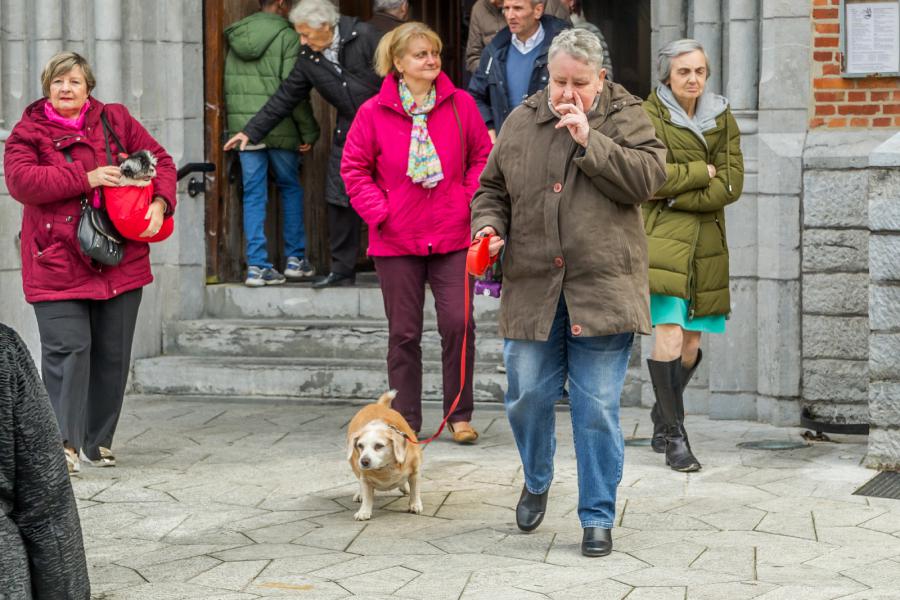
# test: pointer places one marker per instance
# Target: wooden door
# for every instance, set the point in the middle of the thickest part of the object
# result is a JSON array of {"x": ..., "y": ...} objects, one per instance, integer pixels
[
  {"x": 224, "y": 228},
  {"x": 224, "y": 225}
]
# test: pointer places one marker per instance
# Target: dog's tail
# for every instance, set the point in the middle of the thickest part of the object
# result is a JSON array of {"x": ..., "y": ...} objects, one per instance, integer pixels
[{"x": 386, "y": 398}]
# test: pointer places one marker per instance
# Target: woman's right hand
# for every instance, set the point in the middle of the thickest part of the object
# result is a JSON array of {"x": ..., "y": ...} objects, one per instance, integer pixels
[
  {"x": 712, "y": 170},
  {"x": 496, "y": 242},
  {"x": 106, "y": 175}
]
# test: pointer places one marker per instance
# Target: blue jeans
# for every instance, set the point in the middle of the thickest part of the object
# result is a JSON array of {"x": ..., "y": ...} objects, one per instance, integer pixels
[
  {"x": 255, "y": 170},
  {"x": 595, "y": 368}
]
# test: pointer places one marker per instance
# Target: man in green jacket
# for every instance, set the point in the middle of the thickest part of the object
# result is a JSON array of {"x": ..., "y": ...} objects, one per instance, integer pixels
[{"x": 263, "y": 50}]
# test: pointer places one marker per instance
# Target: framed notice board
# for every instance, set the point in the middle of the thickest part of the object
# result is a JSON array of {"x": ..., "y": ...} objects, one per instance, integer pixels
[{"x": 870, "y": 38}]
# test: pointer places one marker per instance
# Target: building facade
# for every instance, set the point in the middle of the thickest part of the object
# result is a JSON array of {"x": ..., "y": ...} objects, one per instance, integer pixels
[{"x": 815, "y": 250}]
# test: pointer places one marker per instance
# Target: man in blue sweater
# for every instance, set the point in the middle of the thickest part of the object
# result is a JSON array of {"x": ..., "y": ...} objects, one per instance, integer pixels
[{"x": 514, "y": 65}]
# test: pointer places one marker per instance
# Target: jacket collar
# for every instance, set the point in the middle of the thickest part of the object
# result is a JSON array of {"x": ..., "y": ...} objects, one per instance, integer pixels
[
  {"x": 35, "y": 113},
  {"x": 348, "y": 28},
  {"x": 502, "y": 41},
  {"x": 389, "y": 96}
]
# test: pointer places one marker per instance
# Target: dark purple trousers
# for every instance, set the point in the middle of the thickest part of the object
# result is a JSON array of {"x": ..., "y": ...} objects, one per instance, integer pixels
[{"x": 403, "y": 280}]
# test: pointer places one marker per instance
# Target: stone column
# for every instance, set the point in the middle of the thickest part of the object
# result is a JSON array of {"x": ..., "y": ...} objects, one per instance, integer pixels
[
  {"x": 108, "y": 51},
  {"x": 884, "y": 307},
  {"x": 784, "y": 95},
  {"x": 705, "y": 26},
  {"x": 741, "y": 68},
  {"x": 667, "y": 23}
]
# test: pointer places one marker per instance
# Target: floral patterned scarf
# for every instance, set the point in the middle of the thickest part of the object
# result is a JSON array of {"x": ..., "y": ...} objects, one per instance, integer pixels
[{"x": 424, "y": 165}]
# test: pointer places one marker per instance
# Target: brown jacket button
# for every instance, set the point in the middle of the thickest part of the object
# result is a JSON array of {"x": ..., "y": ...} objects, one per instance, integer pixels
[
  {"x": 558, "y": 261},
  {"x": 576, "y": 329},
  {"x": 557, "y": 187}
]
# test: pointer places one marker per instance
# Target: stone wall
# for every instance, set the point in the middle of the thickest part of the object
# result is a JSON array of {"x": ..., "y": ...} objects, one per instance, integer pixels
[
  {"x": 883, "y": 200},
  {"x": 147, "y": 55}
]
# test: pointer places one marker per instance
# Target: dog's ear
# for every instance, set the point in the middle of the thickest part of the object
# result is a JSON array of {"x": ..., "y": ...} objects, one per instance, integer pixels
[
  {"x": 351, "y": 446},
  {"x": 398, "y": 441}
]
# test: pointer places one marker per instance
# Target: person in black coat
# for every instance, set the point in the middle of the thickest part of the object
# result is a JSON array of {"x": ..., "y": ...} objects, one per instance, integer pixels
[
  {"x": 335, "y": 60},
  {"x": 41, "y": 550}
]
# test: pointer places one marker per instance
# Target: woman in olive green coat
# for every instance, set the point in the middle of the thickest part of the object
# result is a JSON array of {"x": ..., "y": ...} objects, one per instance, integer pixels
[{"x": 685, "y": 226}]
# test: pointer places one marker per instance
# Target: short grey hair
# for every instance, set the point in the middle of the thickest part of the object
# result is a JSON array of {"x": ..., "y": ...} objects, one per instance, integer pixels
[
  {"x": 673, "y": 49},
  {"x": 315, "y": 13},
  {"x": 580, "y": 44},
  {"x": 386, "y": 5}
]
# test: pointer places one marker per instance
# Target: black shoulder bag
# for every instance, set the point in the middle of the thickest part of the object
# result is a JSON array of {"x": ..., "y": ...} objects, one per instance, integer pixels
[{"x": 97, "y": 236}]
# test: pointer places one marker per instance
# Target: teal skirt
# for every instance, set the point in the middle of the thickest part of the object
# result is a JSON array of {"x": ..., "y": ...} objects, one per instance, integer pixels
[{"x": 669, "y": 310}]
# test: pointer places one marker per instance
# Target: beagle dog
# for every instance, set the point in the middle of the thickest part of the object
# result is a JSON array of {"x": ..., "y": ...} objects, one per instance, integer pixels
[{"x": 381, "y": 456}]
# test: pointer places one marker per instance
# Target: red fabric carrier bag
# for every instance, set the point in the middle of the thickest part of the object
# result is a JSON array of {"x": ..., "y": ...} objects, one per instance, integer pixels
[{"x": 127, "y": 206}]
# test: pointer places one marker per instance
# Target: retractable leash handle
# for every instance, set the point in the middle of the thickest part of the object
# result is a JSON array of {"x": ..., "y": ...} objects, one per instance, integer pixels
[
  {"x": 479, "y": 257},
  {"x": 478, "y": 260}
]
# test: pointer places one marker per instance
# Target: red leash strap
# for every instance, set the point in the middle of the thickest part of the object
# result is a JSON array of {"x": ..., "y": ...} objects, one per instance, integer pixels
[{"x": 477, "y": 261}]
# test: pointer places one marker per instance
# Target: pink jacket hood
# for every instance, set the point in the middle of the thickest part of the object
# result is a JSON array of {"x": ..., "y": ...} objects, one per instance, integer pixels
[{"x": 404, "y": 218}]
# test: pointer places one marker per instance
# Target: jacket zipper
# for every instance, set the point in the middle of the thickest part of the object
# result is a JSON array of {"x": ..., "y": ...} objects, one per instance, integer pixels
[{"x": 692, "y": 277}]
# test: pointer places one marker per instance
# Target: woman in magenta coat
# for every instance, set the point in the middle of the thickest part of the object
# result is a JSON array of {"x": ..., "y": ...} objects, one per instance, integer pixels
[
  {"x": 411, "y": 165},
  {"x": 86, "y": 312}
]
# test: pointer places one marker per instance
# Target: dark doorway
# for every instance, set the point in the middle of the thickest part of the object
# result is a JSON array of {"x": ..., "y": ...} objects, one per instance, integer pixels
[{"x": 626, "y": 27}]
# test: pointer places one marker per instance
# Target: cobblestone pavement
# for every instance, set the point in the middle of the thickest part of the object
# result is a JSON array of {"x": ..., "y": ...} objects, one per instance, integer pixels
[{"x": 233, "y": 501}]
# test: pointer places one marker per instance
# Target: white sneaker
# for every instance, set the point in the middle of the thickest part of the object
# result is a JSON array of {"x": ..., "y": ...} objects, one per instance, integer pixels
[{"x": 298, "y": 268}]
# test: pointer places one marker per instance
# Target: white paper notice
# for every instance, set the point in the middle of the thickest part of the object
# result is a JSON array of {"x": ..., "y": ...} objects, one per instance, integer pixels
[{"x": 873, "y": 37}]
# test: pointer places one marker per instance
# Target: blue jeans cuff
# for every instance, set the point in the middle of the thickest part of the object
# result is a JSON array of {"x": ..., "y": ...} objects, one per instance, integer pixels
[
  {"x": 531, "y": 491},
  {"x": 600, "y": 524}
]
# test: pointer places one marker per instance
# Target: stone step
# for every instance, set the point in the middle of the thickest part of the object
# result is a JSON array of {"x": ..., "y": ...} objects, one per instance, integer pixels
[
  {"x": 293, "y": 379},
  {"x": 309, "y": 338},
  {"x": 299, "y": 301}
]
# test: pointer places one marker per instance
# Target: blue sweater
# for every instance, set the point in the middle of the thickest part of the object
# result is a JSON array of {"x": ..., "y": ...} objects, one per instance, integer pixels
[{"x": 518, "y": 74}]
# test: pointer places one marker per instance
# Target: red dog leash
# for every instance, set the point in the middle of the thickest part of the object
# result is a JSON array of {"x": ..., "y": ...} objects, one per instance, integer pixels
[{"x": 478, "y": 260}]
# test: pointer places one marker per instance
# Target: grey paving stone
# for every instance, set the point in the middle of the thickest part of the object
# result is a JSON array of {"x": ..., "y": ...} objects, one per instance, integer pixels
[
  {"x": 741, "y": 590},
  {"x": 235, "y": 576}
]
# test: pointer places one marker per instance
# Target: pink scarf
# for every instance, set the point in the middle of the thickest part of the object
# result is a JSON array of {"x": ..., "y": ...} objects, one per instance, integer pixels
[{"x": 78, "y": 125}]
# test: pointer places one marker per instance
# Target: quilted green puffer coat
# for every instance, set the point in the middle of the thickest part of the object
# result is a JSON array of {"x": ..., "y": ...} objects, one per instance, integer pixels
[
  {"x": 685, "y": 224},
  {"x": 262, "y": 51}
]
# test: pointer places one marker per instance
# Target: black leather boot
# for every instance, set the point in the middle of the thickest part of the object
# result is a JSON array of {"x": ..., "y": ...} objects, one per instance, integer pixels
[
  {"x": 658, "y": 443},
  {"x": 530, "y": 509},
  {"x": 667, "y": 378},
  {"x": 596, "y": 541}
]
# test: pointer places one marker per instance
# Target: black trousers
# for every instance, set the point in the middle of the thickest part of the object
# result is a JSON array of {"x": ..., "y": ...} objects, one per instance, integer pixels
[
  {"x": 85, "y": 357},
  {"x": 343, "y": 233}
]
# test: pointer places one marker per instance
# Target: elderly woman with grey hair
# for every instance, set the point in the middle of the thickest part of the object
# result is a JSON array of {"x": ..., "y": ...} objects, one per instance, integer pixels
[
  {"x": 685, "y": 227},
  {"x": 562, "y": 191},
  {"x": 336, "y": 60}
]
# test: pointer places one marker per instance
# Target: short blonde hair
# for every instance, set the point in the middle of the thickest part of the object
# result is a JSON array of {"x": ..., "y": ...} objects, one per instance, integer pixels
[
  {"x": 60, "y": 64},
  {"x": 394, "y": 44}
]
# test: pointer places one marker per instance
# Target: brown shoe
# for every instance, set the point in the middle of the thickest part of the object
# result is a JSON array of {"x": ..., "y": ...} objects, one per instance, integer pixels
[{"x": 462, "y": 432}]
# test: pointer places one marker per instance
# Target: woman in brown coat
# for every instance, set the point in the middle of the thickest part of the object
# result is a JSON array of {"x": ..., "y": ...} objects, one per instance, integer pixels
[{"x": 562, "y": 191}]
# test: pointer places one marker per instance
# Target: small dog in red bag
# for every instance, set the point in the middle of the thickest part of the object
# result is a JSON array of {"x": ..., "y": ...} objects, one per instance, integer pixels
[{"x": 128, "y": 203}]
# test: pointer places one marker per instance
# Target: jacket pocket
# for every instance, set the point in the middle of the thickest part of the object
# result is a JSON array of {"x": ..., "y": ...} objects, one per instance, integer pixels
[{"x": 54, "y": 267}]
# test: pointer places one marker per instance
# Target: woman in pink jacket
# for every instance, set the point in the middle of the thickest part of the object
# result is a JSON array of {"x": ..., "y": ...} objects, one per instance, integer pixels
[
  {"x": 86, "y": 312},
  {"x": 411, "y": 165}
]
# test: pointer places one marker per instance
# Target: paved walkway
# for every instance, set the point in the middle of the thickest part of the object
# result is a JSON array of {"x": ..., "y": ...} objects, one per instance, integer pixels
[{"x": 232, "y": 501}]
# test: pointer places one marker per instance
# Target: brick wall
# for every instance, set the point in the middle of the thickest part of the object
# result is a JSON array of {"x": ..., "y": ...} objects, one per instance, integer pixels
[{"x": 846, "y": 102}]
